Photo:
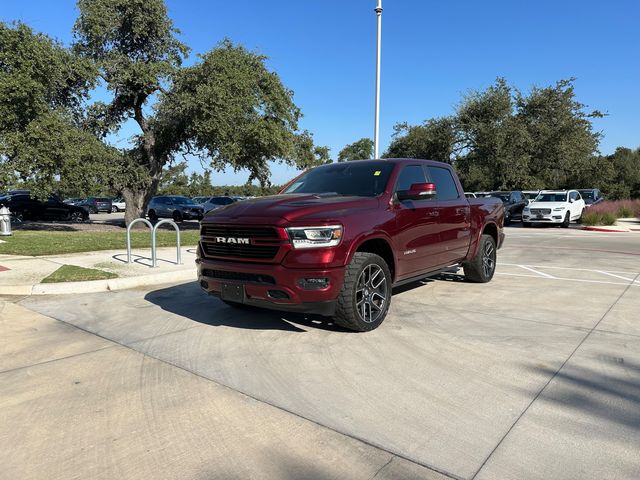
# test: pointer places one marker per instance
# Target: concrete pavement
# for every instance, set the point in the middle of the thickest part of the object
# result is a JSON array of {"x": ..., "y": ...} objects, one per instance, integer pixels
[{"x": 86, "y": 407}]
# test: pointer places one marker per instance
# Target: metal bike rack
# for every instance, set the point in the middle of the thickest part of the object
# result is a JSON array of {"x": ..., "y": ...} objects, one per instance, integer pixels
[
  {"x": 154, "y": 229},
  {"x": 177, "y": 229},
  {"x": 153, "y": 240}
]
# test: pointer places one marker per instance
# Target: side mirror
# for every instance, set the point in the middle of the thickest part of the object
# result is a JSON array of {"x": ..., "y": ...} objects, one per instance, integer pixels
[
  {"x": 418, "y": 191},
  {"x": 571, "y": 200}
]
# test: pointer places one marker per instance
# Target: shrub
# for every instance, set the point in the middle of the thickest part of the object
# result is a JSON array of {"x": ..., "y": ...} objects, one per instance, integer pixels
[
  {"x": 606, "y": 213},
  {"x": 608, "y": 219},
  {"x": 624, "y": 212}
]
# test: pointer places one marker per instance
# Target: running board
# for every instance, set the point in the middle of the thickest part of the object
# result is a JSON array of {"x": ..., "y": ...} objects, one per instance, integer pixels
[{"x": 450, "y": 269}]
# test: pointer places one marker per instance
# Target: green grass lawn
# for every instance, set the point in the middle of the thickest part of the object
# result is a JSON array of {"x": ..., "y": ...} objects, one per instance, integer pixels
[
  {"x": 71, "y": 273},
  {"x": 24, "y": 242}
]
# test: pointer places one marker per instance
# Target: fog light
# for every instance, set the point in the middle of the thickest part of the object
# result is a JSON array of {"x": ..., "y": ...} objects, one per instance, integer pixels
[
  {"x": 278, "y": 294},
  {"x": 557, "y": 217},
  {"x": 313, "y": 283}
]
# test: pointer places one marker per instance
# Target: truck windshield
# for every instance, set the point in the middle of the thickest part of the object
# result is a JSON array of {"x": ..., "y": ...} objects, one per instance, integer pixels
[{"x": 360, "y": 179}]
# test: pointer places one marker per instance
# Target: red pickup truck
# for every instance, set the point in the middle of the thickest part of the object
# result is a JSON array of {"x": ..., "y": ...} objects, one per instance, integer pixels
[{"x": 340, "y": 236}]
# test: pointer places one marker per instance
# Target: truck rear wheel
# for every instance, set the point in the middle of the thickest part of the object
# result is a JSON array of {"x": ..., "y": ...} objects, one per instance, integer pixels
[
  {"x": 364, "y": 300},
  {"x": 482, "y": 267}
]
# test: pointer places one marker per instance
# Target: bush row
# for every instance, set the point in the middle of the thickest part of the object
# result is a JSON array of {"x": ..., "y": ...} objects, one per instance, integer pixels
[{"x": 606, "y": 213}]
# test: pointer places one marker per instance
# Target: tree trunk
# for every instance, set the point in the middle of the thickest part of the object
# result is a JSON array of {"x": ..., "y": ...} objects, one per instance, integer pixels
[
  {"x": 136, "y": 200},
  {"x": 138, "y": 197}
]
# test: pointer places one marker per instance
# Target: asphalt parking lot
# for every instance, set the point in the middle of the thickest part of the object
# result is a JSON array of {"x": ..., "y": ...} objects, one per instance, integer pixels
[{"x": 533, "y": 376}]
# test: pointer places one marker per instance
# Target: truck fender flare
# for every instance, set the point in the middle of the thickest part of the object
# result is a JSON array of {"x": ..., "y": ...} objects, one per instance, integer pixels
[
  {"x": 493, "y": 227},
  {"x": 378, "y": 235}
]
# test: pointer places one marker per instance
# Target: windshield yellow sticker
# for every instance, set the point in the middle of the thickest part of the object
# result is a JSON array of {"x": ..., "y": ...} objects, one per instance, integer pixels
[{"x": 377, "y": 173}]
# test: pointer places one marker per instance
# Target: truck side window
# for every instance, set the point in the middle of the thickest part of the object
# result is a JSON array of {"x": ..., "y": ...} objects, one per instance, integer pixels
[
  {"x": 445, "y": 185},
  {"x": 410, "y": 174}
]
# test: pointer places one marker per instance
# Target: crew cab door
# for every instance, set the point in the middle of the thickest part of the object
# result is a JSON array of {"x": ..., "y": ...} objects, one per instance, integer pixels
[
  {"x": 454, "y": 225},
  {"x": 416, "y": 227}
]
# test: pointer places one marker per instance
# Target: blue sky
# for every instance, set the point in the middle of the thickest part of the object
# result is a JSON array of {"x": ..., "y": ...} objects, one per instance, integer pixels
[{"x": 433, "y": 52}]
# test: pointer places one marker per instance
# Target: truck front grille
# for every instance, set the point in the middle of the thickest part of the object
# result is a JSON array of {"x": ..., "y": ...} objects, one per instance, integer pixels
[
  {"x": 263, "y": 252},
  {"x": 233, "y": 231},
  {"x": 228, "y": 241}
]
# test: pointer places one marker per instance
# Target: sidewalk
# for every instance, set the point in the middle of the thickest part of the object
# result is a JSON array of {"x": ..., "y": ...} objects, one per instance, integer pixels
[
  {"x": 21, "y": 275},
  {"x": 622, "y": 225}
]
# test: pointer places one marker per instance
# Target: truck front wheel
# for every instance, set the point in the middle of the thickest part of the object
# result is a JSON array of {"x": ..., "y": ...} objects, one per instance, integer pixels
[
  {"x": 364, "y": 300},
  {"x": 480, "y": 269}
]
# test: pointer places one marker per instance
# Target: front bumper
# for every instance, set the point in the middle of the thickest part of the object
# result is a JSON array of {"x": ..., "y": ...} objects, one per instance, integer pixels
[
  {"x": 272, "y": 286},
  {"x": 192, "y": 215},
  {"x": 553, "y": 217}
]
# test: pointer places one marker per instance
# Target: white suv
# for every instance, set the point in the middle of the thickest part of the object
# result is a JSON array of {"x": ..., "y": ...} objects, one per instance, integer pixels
[{"x": 557, "y": 207}]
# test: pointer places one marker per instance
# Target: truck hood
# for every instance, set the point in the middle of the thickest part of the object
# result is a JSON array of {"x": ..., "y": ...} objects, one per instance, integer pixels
[
  {"x": 550, "y": 205},
  {"x": 292, "y": 208}
]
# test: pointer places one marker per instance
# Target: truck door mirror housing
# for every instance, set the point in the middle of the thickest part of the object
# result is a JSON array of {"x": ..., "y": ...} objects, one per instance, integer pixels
[{"x": 418, "y": 191}]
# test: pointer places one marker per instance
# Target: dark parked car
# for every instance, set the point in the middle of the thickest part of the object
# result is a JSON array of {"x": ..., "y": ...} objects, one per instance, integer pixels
[
  {"x": 24, "y": 207},
  {"x": 591, "y": 196},
  {"x": 73, "y": 201},
  {"x": 174, "y": 206},
  {"x": 97, "y": 204},
  {"x": 513, "y": 201}
]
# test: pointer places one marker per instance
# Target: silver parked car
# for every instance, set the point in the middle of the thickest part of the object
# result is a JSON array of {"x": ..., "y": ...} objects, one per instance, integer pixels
[{"x": 174, "y": 206}]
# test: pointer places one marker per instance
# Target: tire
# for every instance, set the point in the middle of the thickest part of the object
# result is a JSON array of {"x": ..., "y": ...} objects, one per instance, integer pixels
[
  {"x": 482, "y": 267},
  {"x": 93, "y": 210},
  {"x": 177, "y": 216},
  {"x": 114, "y": 209},
  {"x": 567, "y": 221},
  {"x": 77, "y": 217},
  {"x": 17, "y": 218},
  {"x": 507, "y": 220},
  {"x": 153, "y": 217},
  {"x": 363, "y": 278}
]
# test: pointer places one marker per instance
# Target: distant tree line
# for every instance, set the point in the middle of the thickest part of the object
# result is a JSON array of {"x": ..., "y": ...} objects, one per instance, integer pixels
[
  {"x": 501, "y": 138},
  {"x": 176, "y": 181}
]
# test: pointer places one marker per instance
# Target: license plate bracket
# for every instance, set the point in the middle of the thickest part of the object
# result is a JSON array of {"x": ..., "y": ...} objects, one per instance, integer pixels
[{"x": 232, "y": 292}]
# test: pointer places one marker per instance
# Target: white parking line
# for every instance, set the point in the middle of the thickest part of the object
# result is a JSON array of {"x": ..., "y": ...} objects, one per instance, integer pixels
[
  {"x": 568, "y": 268},
  {"x": 616, "y": 276},
  {"x": 542, "y": 274},
  {"x": 582, "y": 280},
  {"x": 633, "y": 281}
]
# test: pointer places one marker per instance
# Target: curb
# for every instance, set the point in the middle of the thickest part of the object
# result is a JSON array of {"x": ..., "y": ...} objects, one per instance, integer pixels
[
  {"x": 96, "y": 286},
  {"x": 608, "y": 230}
]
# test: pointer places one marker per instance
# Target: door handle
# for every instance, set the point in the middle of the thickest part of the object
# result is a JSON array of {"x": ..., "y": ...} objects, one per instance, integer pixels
[{"x": 433, "y": 213}]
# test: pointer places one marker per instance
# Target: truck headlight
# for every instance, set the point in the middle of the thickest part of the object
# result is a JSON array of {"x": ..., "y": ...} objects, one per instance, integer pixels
[
  {"x": 559, "y": 209},
  {"x": 314, "y": 237}
]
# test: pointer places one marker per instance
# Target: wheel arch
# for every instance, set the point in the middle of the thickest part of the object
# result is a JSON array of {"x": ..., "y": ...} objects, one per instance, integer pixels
[
  {"x": 378, "y": 245},
  {"x": 490, "y": 228}
]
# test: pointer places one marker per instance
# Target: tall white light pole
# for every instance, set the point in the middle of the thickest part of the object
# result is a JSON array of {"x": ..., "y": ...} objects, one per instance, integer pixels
[{"x": 376, "y": 129}]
